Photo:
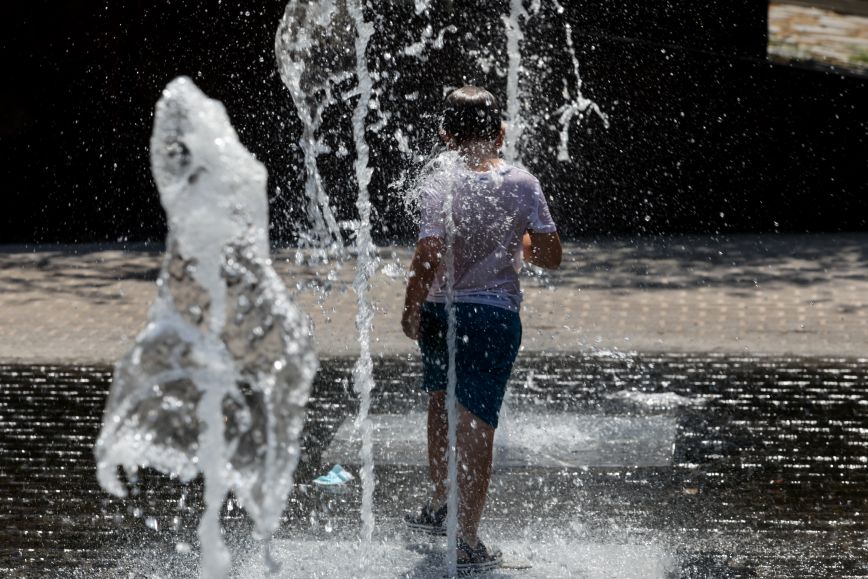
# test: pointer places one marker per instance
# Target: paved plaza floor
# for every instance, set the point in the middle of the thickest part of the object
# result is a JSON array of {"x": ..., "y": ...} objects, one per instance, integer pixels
[
  {"x": 680, "y": 466},
  {"x": 773, "y": 294},
  {"x": 687, "y": 407}
]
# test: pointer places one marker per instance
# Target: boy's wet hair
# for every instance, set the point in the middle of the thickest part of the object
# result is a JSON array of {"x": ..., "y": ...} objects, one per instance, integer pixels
[{"x": 471, "y": 113}]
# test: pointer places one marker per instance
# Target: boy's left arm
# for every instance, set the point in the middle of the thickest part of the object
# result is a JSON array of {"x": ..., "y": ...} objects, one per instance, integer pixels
[
  {"x": 542, "y": 249},
  {"x": 426, "y": 260}
]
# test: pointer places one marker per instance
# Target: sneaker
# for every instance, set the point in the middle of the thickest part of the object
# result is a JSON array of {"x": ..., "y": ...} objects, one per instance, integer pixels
[
  {"x": 479, "y": 559},
  {"x": 428, "y": 520}
]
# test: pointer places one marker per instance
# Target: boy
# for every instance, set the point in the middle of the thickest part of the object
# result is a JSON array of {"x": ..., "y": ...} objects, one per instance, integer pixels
[{"x": 498, "y": 214}]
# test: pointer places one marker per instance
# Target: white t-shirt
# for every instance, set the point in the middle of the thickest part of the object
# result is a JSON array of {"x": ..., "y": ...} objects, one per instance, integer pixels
[{"x": 491, "y": 210}]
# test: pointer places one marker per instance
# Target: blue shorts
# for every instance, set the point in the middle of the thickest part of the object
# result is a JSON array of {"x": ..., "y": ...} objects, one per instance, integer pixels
[{"x": 487, "y": 341}]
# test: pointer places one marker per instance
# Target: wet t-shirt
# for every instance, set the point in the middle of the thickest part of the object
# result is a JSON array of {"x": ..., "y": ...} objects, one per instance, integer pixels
[{"x": 491, "y": 212}]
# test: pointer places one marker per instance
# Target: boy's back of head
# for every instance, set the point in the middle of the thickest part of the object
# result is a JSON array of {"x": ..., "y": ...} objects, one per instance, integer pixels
[{"x": 471, "y": 113}]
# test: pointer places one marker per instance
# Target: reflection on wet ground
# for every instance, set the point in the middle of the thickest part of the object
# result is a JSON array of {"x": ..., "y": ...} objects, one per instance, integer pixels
[{"x": 754, "y": 467}]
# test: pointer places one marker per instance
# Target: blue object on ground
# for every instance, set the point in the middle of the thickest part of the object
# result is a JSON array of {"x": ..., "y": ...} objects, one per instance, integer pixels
[{"x": 337, "y": 476}]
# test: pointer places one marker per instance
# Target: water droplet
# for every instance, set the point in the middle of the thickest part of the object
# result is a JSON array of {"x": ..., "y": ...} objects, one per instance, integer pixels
[{"x": 182, "y": 548}]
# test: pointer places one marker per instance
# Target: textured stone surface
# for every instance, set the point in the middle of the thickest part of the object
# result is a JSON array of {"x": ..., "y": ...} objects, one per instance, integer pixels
[{"x": 775, "y": 294}]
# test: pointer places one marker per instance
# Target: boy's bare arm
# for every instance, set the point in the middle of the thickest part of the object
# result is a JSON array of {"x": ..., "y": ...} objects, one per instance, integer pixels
[
  {"x": 542, "y": 249},
  {"x": 426, "y": 260}
]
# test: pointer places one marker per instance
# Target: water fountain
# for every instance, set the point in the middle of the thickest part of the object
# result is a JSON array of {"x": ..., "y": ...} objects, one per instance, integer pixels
[
  {"x": 321, "y": 48},
  {"x": 217, "y": 382},
  {"x": 320, "y": 44},
  {"x": 315, "y": 56}
]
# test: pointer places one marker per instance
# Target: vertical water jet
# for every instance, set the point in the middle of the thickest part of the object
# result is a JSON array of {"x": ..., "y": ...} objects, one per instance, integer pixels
[
  {"x": 363, "y": 380},
  {"x": 314, "y": 51},
  {"x": 576, "y": 103},
  {"x": 514, "y": 36}
]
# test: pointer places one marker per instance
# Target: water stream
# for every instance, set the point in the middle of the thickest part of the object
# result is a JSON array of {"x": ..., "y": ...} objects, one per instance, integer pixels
[
  {"x": 577, "y": 103},
  {"x": 217, "y": 382},
  {"x": 314, "y": 49},
  {"x": 319, "y": 46},
  {"x": 366, "y": 265},
  {"x": 451, "y": 382},
  {"x": 514, "y": 36}
]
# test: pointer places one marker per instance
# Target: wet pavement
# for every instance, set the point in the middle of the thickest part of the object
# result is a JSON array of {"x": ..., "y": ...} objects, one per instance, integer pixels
[{"x": 751, "y": 466}]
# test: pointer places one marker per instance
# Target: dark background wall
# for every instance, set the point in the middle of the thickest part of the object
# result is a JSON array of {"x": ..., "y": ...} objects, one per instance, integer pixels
[{"x": 706, "y": 135}]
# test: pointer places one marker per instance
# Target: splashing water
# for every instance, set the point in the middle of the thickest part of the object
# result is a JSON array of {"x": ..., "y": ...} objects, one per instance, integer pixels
[
  {"x": 577, "y": 104},
  {"x": 363, "y": 380},
  {"x": 514, "y": 35},
  {"x": 428, "y": 39},
  {"x": 505, "y": 437},
  {"x": 314, "y": 50},
  {"x": 441, "y": 173},
  {"x": 320, "y": 45},
  {"x": 444, "y": 163},
  {"x": 217, "y": 382},
  {"x": 451, "y": 399}
]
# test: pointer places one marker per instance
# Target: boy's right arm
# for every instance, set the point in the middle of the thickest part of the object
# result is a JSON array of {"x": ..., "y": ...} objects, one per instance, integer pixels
[{"x": 426, "y": 260}]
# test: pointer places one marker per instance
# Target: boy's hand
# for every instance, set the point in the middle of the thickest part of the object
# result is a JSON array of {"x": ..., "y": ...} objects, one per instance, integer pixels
[
  {"x": 426, "y": 260},
  {"x": 410, "y": 322}
]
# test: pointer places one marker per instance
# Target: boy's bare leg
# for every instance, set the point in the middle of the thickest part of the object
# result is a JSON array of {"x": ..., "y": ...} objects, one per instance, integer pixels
[
  {"x": 438, "y": 438},
  {"x": 475, "y": 444}
]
